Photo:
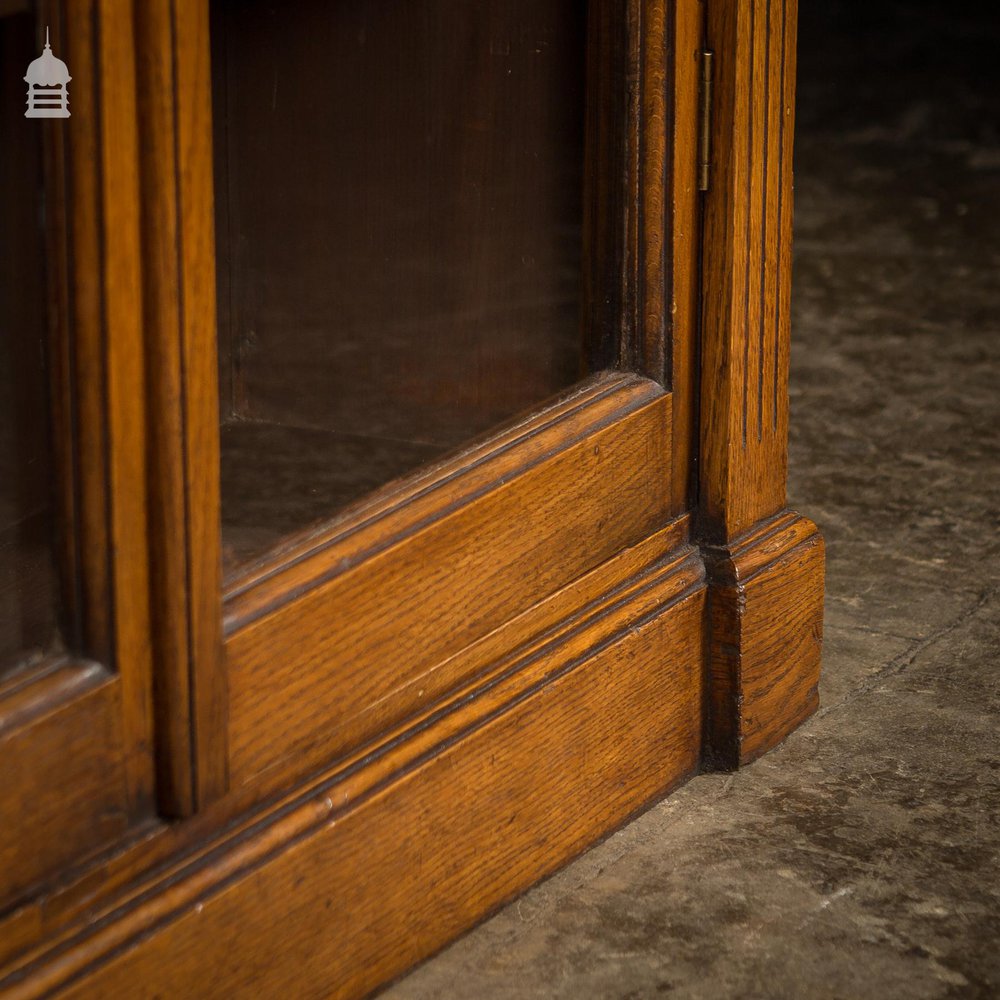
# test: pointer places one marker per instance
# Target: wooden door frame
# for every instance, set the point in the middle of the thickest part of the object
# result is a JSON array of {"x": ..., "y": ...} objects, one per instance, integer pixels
[{"x": 639, "y": 295}]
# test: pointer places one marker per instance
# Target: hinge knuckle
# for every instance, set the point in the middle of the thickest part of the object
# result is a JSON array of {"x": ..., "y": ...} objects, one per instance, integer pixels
[{"x": 705, "y": 120}]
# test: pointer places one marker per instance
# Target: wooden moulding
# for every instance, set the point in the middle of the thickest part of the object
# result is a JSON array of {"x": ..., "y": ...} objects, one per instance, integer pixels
[
  {"x": 553, "y": 746},
  {"x": 180, "y": 340},
  {"x": 683, "y": 223},
  {"x": 766, "y": 627},
  {"x": 352, "y": 629}
]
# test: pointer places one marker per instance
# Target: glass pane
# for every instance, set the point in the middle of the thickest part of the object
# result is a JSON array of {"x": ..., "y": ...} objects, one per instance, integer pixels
[
  {"x": 27, "y": 580},
  {"x": 399, "y": 210}
]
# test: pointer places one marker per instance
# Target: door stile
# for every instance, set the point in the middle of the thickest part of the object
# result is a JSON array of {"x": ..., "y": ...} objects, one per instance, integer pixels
[{"x": 179, "y": 317}]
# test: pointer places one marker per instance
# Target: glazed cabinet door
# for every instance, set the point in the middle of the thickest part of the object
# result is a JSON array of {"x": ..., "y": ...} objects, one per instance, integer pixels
[
  {"x": 77, "y": 747},
  {"x": 421, "y": 297}
]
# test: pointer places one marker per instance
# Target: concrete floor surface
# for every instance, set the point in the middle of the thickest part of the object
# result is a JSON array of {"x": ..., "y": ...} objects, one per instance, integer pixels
[{"x": 862, "y": 857}]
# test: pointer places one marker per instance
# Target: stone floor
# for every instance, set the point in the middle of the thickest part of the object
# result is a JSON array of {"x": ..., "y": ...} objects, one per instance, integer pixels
[{"x": 861, "y": 858}]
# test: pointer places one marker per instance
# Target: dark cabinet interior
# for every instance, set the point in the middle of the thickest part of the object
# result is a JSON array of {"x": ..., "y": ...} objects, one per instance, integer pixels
[
  {"x": 28, "y": 587},
  {"x": 399, "y": 203}
]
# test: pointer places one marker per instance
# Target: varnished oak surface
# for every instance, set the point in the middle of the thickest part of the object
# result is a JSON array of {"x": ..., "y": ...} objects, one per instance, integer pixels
[
  {"x": 179, "y": 325},
  {"x": 683, "y": 223},
  {"x": 402, "y": 589},
  {"x": 610, "y": 702},
  {"x": 766, "y": 564},
  {"x": 747, "y": 266},
  {"x": 766, "y": 622},
  {"x": 62, "y": 793},
  {"x": 53, "y": 914}
]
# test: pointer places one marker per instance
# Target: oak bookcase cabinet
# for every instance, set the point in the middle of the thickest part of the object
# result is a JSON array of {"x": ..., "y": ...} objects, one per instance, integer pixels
[{"x": 393, "y": 454}]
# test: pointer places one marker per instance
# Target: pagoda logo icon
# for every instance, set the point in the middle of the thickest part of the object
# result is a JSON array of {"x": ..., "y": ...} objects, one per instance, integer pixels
[{"x": 47, "y": 79}]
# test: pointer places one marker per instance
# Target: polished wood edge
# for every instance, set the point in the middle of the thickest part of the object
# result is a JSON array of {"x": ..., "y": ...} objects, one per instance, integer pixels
[
  {"x": 746, "y": 266},
  {"x": 427, "y": 478},
  {"x": 196, "y": 216},
  {"x": 649, "y": 160},
  {"x": 168, "y": 508},
  {"x": 637, "y": 568},
  {"x": 126, "y": 419},
  {"x": 98, "y": 370},
  {"x": 669, "y": 590},
  {"x": 430, "y": 644},
  {"x": 80, "y": 426},
  {"x": 435, "y": 492},
  {"x": 77, "y": 732},
  {"x": 683, "y": 222},
  {"x": 179, "y": 301},
  {"x": 44, "y": 688},
  {"x": 765, "y": 637}
]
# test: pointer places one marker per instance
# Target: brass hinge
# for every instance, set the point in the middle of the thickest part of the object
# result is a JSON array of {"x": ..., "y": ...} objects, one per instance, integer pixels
[{"x": 705, "y": 121}]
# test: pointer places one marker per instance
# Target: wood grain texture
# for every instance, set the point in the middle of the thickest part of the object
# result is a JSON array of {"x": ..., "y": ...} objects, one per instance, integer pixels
[
  {"x": 682, "y": 223},
  {"x": 642, "y": 224},
  {"x": 179, "y": 311},
  {"x": 79, "y": 336},
  {"x": 121, "y": 339},
  {"x": 747, "y": 264},
  {"x": 766, "y": 565},
  {"x": 84, "y": 895},
  {"x": 647, "y": 222},
  {"x": 446, "y": 819},
  {"x": 98, "y": 367},
  {"x": 460, "y": 681},
  {"x": 63, "y": 792},
  {"x": 320, "y": 649},
  {"x": 766, "y": 628},
  {"x": 77, "y": 732}
]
